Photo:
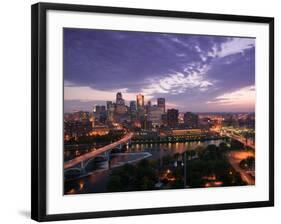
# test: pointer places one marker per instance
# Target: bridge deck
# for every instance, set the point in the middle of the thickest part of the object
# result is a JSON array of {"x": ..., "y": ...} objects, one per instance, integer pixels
[
  {"x": 89, "y": 155},
  {"x": 240, "y": 139}
]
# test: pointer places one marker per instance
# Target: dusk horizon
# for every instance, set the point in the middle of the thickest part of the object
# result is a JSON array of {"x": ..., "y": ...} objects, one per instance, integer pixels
[
  {"x": 88, "y": 106},
  {"x": 195, "y": 73}
]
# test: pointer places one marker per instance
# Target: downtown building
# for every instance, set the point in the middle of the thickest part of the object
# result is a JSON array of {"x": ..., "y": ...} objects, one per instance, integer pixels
[
  {"x": 191, "y": 120},
  {"x": 172, "y": 118},
  {"x": 161, "y": 104},
  {"x": 155, "y": 116}
]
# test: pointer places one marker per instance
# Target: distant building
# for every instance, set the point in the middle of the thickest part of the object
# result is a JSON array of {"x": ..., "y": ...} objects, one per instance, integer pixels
[
  {"x": 191, "y": 120},
  {"x": 140, "y": 101},
  {"x": 100, "y": 108},
  {"x": 92, "y": 119},
  {"x": 164, "y": 119},
  {"x": 141, "y": 113},
  {"x": 145, "y": 134},
  {"x": 133, "y": 106},
  {"x": 191, "y": 132},
  {"x": 77, "y": 116},
  {"x": 145, "y": 123},
  {"x": 108, "y": 104},
  {"x": 100, "y": 130},
  {"x": 161, "y": 104},
  {"x": 77, "y": 128},
  {"x": 172, "y": 117},
  {"x": 148, "y": 106},
  {"x": 181, "y": 118},
  {"x": 133, "y": 110},
  {"x": 120, "y": 105},
  {"x": 100, "y": 113},
  {"x": 155, "y": 116},
  {"x": 119, "y": 99},
  {"x": 110, "y": 111},
  {"x": 121, "y": 109}
]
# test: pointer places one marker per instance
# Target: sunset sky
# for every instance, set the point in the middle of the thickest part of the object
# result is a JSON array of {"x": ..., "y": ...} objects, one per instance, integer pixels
[{"x": 193, "y": 72}]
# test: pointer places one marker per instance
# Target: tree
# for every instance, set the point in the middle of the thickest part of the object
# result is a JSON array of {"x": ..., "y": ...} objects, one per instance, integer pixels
[
  {"x": 114, "y": 184},
  {"x": 236, "y": 145},
  {"x": 223, "y": 147}
]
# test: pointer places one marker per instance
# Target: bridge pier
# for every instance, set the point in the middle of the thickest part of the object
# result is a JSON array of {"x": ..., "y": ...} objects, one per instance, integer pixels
[
  {"x": 82, "y": 165},
  {"x": 109, "y": 160}
]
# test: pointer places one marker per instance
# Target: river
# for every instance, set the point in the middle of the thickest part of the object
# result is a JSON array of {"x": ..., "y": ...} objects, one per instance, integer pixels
[{"x": 97, "y": 178}]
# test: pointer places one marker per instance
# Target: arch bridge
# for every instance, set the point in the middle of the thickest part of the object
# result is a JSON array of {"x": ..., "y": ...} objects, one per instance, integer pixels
[{"x": 80, "y": 163}]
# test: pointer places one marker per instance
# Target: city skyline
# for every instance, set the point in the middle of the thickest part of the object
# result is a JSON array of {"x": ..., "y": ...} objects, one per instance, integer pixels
[
  {"x": 127, "y": 103},
  {"x": 192, "y": 72}
]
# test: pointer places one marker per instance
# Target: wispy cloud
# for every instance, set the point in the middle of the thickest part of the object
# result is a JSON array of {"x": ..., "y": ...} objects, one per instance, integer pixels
[
  {"x": 236, "y": 45},
  {"x": 241, "y": 97},
  {"x": 178, "y": 83}
]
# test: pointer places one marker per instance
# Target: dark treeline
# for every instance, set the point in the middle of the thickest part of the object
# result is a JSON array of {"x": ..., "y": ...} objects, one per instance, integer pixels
[{"x": 203, "y": 166}]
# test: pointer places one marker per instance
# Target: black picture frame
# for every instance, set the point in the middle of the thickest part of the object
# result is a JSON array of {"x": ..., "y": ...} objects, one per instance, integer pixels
[{"x": 39, "y": 123}]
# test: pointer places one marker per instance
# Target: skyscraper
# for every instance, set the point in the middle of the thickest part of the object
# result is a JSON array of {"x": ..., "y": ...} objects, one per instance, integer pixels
[
  {"x": 100, "y": 109},
  {"x": 133, "y": 110},
  {"x": 172, "y": 117},
  {"x": 140, "y": 101},
  {"x": 119, "y": 99},
  {"x": 108, "y": 104},
  {"x": 133, "y": 106},
  {"x": 110, "y": 111},
  {"x": 191, "y": 120},
  {"x": 100, "y": 113},
  {"x": 155, "y": 116},
  {"x": 161, "y": 103},
  {"x": 120, "y": 104}
]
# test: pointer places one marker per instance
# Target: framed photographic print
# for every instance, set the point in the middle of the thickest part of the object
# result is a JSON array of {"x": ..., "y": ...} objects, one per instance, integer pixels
[{"x": 138, "y": 111}]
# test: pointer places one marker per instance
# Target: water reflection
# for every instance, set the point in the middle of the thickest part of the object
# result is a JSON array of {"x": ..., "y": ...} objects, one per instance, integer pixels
[{"x": 99, "y": 173}]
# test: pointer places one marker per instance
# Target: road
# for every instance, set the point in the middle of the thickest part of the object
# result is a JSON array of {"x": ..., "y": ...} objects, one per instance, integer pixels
[
  {"x": 84, "y": 157},
  {"x": 234, "y": 159}
]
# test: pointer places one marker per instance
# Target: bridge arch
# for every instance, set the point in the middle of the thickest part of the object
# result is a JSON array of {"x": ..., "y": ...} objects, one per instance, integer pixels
[
  {"x": 73, "y": 169},
  {"x": 87, "y": 162},
  {"x": 93, "y": 154}
]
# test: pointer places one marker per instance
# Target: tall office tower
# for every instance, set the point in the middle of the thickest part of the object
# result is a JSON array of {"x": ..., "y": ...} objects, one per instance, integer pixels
[
  {"x": 155, "y": 116},
  {"x": 118, "y": 96},
  {"x": 133, "y": 106},
  {"x": 161, "y": 103},
  {"x": 191, "y": 120},
  {"x": 120, "y": 104},
  {"x": 140, "y": 101},
  {"x": 108, "y": 104},
  {"x": 148, "y": 107},
  {"x": 119, "y": 99},
  {"x": 92, "y": 119},
  {"x": 133, "y": 110},
  {"x": 100, "y": 109},
  {"x": 110, "y": 111},
  {"x": 100, "y": 113},
  {"x": 172, "y": 117}
]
